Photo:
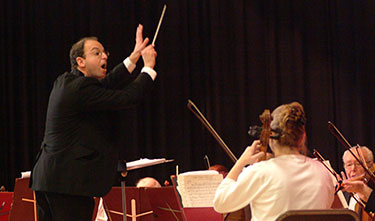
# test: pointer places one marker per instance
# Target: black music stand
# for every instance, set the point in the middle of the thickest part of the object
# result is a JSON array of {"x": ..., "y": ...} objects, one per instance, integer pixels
[{"x": 121, "y": 167}]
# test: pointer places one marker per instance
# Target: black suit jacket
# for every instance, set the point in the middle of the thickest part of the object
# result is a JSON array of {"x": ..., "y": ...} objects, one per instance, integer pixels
[
  {"x": 370, "y": 205},
  {"x": 77, "y": 155}
]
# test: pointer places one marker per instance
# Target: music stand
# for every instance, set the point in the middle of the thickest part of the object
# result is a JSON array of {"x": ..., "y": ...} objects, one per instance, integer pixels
[
  {"x": 194, "y": 213},
  {"x": 165, "y": 203},
  {"x": 5, "y": 204},
  {"x": 123, "y": 167}
]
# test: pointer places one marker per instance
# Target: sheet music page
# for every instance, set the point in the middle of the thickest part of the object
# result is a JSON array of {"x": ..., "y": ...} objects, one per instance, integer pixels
[
  {"x": 25, "y": 174},
  {"x": 197, "y": 189},
  {"x": 144, "y": 162}
]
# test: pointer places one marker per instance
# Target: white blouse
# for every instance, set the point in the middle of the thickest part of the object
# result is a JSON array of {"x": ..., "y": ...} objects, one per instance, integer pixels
[{"x": 272, "y": 187}]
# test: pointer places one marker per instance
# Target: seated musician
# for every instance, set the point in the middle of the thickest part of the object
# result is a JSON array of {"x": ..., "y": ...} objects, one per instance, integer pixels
[
  {"x": 360, "y": 187},
  {"x": 148, "y": 182},
  {"x": 219, "y": 168},
  {"x": 355, "y": 180},
  {"x": 289, "y": 181},
  {"x": 354, "y": 170}
]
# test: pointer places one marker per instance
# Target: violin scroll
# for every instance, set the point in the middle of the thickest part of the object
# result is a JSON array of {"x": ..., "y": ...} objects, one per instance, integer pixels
[
  {"x": 264, "y": 138},
  {"x": 262, "y": 133}
]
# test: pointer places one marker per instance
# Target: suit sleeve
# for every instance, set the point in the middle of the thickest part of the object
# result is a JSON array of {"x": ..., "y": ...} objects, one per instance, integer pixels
[
  {"x": 370, "y": 205},
  {"x": 118, "y": 77},
  {"x": 94, "y": 96}
]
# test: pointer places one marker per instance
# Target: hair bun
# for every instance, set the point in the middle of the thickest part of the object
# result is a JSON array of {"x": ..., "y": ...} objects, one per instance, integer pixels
[
  {"x": 289, "y": 121},
  {"x": 296, "y": 114}
]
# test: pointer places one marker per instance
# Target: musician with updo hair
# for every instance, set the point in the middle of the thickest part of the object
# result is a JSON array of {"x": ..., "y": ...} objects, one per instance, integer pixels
[{"x": 288, "y": 181}]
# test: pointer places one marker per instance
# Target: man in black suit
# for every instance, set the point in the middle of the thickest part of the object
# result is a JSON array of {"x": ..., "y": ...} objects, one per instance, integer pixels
[{"x": 78, "y": 158}]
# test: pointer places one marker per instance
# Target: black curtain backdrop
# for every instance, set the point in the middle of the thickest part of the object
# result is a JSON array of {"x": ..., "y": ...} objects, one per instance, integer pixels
[{"x": 232, "y": 58}]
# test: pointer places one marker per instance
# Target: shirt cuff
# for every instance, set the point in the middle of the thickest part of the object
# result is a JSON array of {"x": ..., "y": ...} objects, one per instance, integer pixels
[
  {"x": 129, "y": 65},
  {"x": 150, "y": 72}
]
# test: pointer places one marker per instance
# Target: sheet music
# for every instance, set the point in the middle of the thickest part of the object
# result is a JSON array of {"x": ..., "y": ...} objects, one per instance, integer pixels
[
  {"x": 25, "y": 174},
  {"x": 144, "y": 162},
  {"x": 197, "y": 189}
]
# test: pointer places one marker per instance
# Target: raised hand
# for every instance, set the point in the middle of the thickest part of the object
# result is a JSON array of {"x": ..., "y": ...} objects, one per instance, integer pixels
[
  {"x": 140, "y": 44},
  {"x": 149, "y": 56}
]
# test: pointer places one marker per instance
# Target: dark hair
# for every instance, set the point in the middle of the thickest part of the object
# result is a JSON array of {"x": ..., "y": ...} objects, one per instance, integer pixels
[{"x": 77, "y": 50}]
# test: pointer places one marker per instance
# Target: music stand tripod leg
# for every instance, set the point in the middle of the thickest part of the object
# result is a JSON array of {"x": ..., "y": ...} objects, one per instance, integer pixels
[
  {"x": 121, "y": 167},
  {"x": 123, "y": 200}
]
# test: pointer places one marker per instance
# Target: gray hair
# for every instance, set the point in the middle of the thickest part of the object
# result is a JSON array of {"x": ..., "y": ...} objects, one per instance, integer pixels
[{"x": 368, "y": 155}]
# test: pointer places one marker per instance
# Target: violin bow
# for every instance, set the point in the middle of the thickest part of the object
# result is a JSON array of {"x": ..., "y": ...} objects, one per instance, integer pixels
[
  {"x": 200, "y": 116},
  {"x": 336, "y": 175},
  {"x": 333, "y": 129},
  {"x": 321, "y": 159}
]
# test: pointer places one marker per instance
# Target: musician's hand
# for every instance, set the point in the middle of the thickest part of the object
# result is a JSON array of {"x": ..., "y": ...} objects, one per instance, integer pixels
[
  {"x": 140, "y": 44},
  {"x": 339, "y": 179},
  {"x": 149, "y": 56},
  {"x": 252, "y": 154},
  {"x": 357, "y": 186},
  {"x": 353, "y": 186},
  {"x": 269, "y": 156}
]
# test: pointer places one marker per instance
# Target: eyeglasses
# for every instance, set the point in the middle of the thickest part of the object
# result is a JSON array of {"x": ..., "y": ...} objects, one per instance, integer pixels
[
  {"x": 98, "y": 53},
  {"x": 356, "y": 164}
]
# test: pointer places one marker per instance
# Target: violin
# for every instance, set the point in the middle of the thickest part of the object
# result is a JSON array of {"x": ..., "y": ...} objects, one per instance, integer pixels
[
  {"x": 263, "y": 133},
  {"x": 368, "y": 177},
  {"x": 364, "y": 215}
]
